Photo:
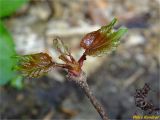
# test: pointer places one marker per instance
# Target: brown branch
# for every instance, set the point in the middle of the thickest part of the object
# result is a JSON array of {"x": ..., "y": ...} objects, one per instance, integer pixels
[{"x": 82, "y": 83}]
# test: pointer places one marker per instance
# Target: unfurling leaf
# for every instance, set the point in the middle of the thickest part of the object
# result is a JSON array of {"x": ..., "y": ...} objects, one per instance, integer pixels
[
  {"x": 103, "y": 40},
  {"x": 34, "y": 65},
  {"x": 60, "y": 46}
]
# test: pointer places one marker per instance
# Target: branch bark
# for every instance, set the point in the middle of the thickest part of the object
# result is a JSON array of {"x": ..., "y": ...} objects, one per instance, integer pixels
[{"x": 81, "y": 81}]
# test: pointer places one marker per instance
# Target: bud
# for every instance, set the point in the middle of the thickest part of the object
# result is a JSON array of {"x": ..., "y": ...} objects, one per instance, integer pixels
[{"x": 103, "y": 40}]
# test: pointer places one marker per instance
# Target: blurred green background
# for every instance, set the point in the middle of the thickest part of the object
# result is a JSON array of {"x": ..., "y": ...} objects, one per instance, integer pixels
[{"x": 7, "y": 47}]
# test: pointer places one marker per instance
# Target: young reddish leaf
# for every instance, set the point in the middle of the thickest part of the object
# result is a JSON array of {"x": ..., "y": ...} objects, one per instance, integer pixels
[
  {"x": 34, "y": 65},
  {"x": 103, "y": 40}
]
